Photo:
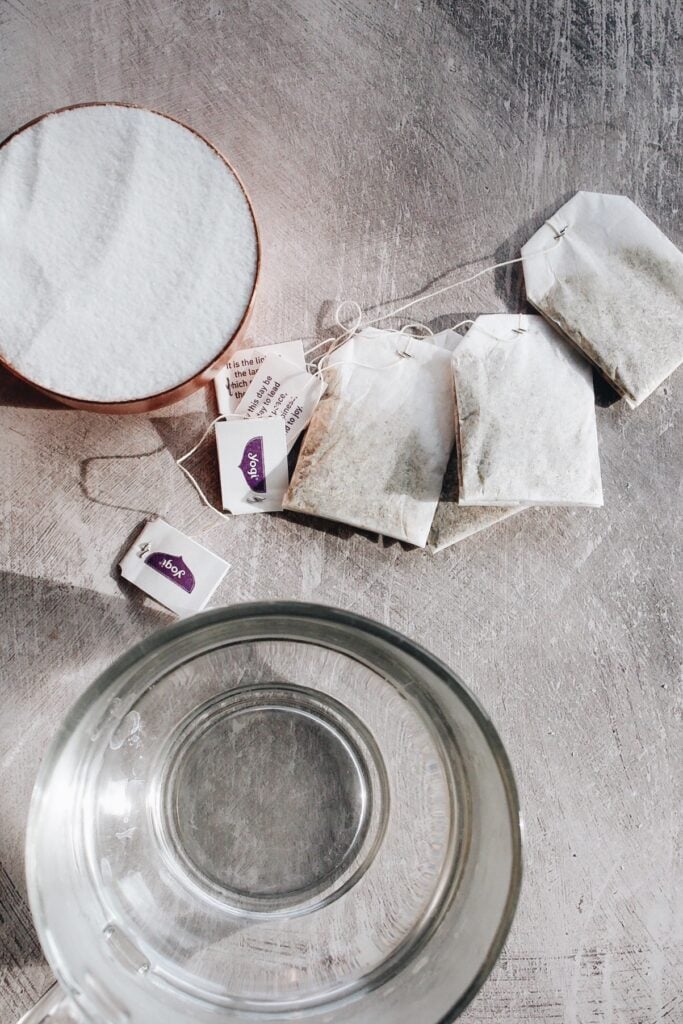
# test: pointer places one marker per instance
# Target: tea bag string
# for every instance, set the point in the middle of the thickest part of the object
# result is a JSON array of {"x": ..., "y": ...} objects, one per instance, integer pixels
[
  {"x": 335, "y": 341},
  {"x": 348, "y": 333},
  {"x": 183, "y": 458},
  {"x": 321, "y": 367}
]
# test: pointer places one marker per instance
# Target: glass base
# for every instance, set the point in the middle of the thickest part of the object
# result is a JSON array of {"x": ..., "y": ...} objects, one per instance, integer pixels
[{"x": 266, "y": 797}]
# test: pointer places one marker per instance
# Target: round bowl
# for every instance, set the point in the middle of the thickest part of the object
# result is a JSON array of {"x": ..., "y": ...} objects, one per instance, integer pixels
[
  {"x": 205, "y": 373},
  {"x": 274, "y": 812}
]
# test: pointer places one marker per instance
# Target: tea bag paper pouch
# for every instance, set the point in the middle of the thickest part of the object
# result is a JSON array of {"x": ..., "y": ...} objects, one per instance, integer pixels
[
  {"x": 612, "y": 282},
  {"x": 377, "y": 447},
  {"x": 172, "y": 568},
  {"x": 448, "y": 339},
  {"x": 281, "y": 388},
  {"x": 232, "y": 381},
  {"x": 252, "y": 461},
  {"x": 525, "y": 416},
  {"x": 454, "y": 522}
]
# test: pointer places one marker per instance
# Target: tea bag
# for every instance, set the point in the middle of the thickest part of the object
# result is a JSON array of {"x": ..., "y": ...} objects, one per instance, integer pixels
[
  {"x": 377, "y": 447},
  {"x": 613, "y": 284},
  {"x": 525, "y": 416},
  {"x": 454, "y": 522}
]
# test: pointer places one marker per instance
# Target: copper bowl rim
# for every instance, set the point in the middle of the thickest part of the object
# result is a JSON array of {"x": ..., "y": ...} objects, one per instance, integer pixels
[{"x": 208, "y": 372}]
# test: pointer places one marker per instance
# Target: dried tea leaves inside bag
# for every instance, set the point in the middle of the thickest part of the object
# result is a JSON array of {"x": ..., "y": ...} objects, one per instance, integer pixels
[
  {"x": 612, "y": 282},
  {"x": 377, "y": 447},
  {"x": 525, "y": 416},
  {"x": 454, "y": 522}
]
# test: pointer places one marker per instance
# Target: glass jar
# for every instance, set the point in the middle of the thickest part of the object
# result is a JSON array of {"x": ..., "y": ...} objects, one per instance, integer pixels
[{"x": 273, "y": 812}]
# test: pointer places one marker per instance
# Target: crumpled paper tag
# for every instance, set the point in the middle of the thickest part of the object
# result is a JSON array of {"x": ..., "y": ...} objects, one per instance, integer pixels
[
  {"x": 605, "y": 276},
  {"x": 525, "y": 414},
  {"x": 232, "y": 381},
  {"x": 281, "y": 388}
]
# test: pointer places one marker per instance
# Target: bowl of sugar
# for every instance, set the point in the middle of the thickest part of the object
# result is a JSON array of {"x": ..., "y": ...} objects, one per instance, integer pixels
[{"x": 129, "y": 256}]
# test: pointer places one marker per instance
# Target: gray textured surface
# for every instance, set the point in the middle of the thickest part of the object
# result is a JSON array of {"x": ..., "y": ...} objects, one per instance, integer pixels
[{"x": 384, "y": 146}]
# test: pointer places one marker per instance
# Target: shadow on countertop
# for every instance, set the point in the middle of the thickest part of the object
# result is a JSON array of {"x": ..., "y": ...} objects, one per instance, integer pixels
[{"x": 15, "y": 392}]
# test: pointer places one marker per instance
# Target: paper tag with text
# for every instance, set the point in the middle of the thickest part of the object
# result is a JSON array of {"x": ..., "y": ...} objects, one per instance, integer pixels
[
  {"x": 252, "y": 459},
  {"x": 282, "y": 389},
  {"x": 172, "y": 568},
  {"x": 234, "y": 379}
]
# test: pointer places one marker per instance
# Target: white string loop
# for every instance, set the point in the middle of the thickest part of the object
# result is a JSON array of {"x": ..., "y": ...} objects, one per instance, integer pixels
[
  {"x": 461, "y": 324},
  {"x": 348, "y": 332},
  {"x": 186, "y": 456},
  {"x": 428, "y": 332}
]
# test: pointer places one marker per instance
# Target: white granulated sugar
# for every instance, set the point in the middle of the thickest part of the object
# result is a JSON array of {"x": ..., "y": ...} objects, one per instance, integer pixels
[{"x": 128, "y": 253}]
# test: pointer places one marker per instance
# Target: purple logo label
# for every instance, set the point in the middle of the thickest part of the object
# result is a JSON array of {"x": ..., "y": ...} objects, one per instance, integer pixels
[
  {"x": 253, "y": 466},
  {"x": 173, "y": 568}
]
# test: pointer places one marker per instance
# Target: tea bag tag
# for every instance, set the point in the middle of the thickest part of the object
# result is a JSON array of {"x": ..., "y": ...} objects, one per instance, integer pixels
[
  {"x": 233, "y": 380},
  {"x": 281, "y": 388},
  {"x": 252, "y": 459},
  {"x": 172, "y": 568}
]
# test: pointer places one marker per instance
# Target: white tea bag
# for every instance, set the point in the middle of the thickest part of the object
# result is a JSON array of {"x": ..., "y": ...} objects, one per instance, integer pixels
[
  {"x": 525, "y": 416},
  {"x": 172, "y": 568},
  {"x": 448, "y": 339},
  {"x": 252, "y": 461},
  {"x": 281, "y": 388},
  {"x": 232, "y": 381},
  {"x": 377, "y": 447},
  {"x": 454, "y": 522},
  {"x": 612, "y": 282}
]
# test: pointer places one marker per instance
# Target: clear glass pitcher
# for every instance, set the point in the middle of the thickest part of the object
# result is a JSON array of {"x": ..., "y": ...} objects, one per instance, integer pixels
[{"x": 272, "y": 812}]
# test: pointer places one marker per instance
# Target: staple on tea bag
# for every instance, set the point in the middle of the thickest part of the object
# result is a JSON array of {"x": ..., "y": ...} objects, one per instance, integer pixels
[
  {"x": 614, "y": 287},
  {"x": 525, "y": 416},
  {"x": 377, "y": 446}
]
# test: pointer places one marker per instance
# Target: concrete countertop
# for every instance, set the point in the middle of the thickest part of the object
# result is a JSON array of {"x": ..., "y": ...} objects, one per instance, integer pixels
[{"x": 388, "y": 147}]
